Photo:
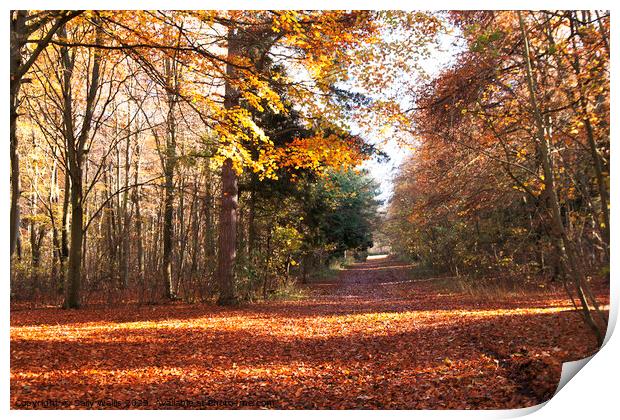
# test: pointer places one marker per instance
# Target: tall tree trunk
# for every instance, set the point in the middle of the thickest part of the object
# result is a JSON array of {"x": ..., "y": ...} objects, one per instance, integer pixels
[
  {"x": 136, "y": 203},
  {"x": 195, "y": 227},
  {"x": 64, "y": 229},
  {"x": 169, "y": 162},
  {"x": 53, "y": 201},
  {"x": 73, "y": 277},
  {"x": 227, "y": 235},
  {"x": 563, "y": 244},
  {"x": 209, "y": 242},
  {"x": 75, "y": 157},
  {"x": 181, "y": 241},
  {"x": 74, "y": 268},
  {"x": 19, "y": 34},
  {"x": 36, "y": 234},
  {"x": 110, "y": 222},
  {"x": 595, "y": 153},
  {"x": 167, "y": 236},
  {"x": 18, "y": 29},
  {"x": 251, "y": 241},
  {"x": 124, "y": 262},
  {"x": 582, "y": 103},
  {"x": 227, "y": 240}
]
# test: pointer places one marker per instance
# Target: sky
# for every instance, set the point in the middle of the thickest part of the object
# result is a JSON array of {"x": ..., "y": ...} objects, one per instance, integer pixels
[{"x": 384, "y": 172}]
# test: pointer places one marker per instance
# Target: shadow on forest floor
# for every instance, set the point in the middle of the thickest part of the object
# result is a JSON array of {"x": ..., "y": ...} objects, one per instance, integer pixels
[{"x": 368, "y": 339}]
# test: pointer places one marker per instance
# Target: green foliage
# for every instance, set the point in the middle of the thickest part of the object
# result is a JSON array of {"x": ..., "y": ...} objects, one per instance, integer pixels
[
  {"x": 300, "y": 227},
  {"x": 341, "y": 210}
]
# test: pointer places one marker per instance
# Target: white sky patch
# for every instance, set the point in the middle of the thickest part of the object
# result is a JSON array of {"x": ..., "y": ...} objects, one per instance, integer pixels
[{"x": 384, "y": 172}]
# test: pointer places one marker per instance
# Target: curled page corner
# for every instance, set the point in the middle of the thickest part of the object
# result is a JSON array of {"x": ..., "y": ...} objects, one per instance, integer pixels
[
  {"x": 569, "y": 370},
  {"x": 522, "y": 412},
  {"x": 613, "y": 317}
]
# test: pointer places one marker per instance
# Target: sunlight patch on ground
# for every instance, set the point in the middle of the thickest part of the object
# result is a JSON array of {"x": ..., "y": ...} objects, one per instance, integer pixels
[
  {"x": 377, "y": 257},
  {"x": 381, "y": 267},
  {"x": 375, "y": 323}
]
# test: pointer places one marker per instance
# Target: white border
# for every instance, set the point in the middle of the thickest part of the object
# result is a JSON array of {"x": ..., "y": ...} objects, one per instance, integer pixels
[{"x": 593, "y": 394}]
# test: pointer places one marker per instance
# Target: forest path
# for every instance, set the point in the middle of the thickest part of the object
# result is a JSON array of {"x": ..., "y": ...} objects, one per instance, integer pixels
[
  {"x": 370, "y": 280},
  {"x": 369, "y": 338}
]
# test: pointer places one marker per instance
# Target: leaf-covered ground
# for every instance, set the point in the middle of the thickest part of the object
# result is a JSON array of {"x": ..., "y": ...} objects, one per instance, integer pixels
[{"x": 370, "y": 338}]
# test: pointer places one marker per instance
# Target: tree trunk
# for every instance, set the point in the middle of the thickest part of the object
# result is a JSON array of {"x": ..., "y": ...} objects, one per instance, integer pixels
[
  {"x": 209, "y": 242},
  {"x": 181, "y": 241},
  {"x": 19, "y": 34},
  {"x": 64, "y": 229},
  {"x": 169, "y": 163},
  {"x": 124, "y": 262},
  {"x": 227, "y": 234},
  {"x": 563, "y": 244},
  {"x": 75, "y": 156},
  {"x": 195, "y": 228},
  {"x": 136, "y": 203},
  {"x": 167, "y": 238},
  {"x": 74, "y": 268},
  {"x": 18, "y": 28},
  {"x": 251, "y": 241},
  {"x": 596, "y": 155},
  {"x": 229, "y": 200}
]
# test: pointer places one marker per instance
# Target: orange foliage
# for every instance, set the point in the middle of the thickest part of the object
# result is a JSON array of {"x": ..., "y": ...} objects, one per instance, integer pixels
[{"x": 317, "y": 153}]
